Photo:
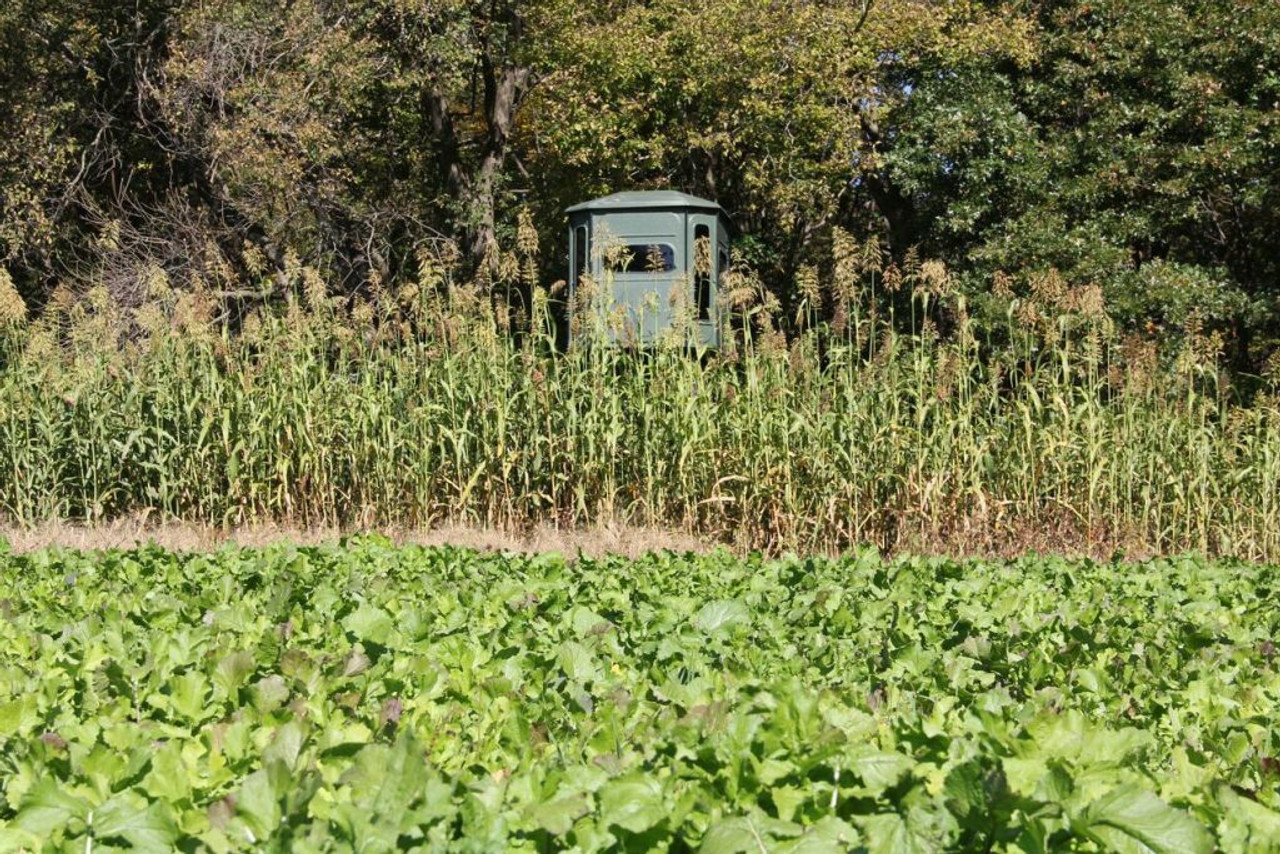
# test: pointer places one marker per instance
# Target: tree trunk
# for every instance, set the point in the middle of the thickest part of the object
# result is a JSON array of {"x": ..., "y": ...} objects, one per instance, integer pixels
[
  {"x": 437, "y": 109},
  {"x": 504, "y": 88},
  {"x": 897, "y": 209},
  {"x": 475, "y": 189}
]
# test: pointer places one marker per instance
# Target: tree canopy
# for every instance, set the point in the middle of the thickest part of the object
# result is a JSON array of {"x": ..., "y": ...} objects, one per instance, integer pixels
[{"x": 1129, "y": 144}]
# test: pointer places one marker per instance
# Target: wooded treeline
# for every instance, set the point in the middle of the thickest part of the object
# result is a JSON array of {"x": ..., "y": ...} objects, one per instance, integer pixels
[{"x": 1129, "y": 144}]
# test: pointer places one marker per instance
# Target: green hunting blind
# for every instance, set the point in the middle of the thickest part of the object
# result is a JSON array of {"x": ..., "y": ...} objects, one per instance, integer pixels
[{"x": 654, "y": 262}]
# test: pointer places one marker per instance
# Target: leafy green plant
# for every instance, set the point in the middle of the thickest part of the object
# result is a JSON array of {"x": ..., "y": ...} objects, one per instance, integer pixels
[{"x": 368, "y": 697}]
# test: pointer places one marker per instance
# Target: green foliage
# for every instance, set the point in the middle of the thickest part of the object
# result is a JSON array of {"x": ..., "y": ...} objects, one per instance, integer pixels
[
  {"x": 1137, "y": 151},
  {"x": 760, "y": 105},
  {"x": 1128, "y": 144},
  {"x": 713, "y": 703},
  {"x": 74, "y": 108}
]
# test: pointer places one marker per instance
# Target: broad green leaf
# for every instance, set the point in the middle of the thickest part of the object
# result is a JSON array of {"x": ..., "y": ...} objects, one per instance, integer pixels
[
  {"x": 879, "y": 769},
  {"x": 168, "y": 778},
  {"x": 557, "y": 817},
  {"x": 770, "y": 770},
  {"x": 188, "y": 694},
  {"x": 369, "y": 623},
  {"x": 1024, "y": 775},
  {"x": 887, "y": 833},
  {"x": 147, "y": 826},
  {"x": 48, "y": 807},
  {"x": 1114, "y": 746},
  {"x": 398, "y": 778},
  {"x": 578, "y": 663},
  {"x": 786, "y": 799},
  {"x": 587, "y": 622},
  {"x": 18, "y": 715},
  {"x": 257, "y": 804},
  {"x": 269, "y": 693},
  {"x": 634, "y": 803},
  {"x": 1247, "y": 825},
  {"x": 1134, "y": 821},
  {"x": 232, "y": 671},
  {"x": 731, "y": 836},
  {"x": 827, "y": 836},
  {"x": 964, "y": 788},
  {"x": 721, "y": 614},
  {"x": 286, "y": 744}
]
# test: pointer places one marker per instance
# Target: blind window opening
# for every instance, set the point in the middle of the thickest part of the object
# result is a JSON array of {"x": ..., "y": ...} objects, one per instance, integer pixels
[
  {"x": 702, "y": 271},
  {"x": 647, "y": 258},
  {"x": 579, "y": 253}
]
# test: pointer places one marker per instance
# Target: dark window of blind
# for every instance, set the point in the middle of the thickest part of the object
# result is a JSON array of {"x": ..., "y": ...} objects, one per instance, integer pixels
[
  {"x": 579, "y": 252},
  {"x": 702, "y": 271},
  {"x": 647, "y": 258}
]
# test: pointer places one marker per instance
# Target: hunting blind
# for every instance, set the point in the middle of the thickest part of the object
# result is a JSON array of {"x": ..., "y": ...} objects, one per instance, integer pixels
[{"x": 655, "y": 259}]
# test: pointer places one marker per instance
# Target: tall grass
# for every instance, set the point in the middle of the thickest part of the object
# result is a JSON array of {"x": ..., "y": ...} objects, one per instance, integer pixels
[{"x": 1052, "y": 431}]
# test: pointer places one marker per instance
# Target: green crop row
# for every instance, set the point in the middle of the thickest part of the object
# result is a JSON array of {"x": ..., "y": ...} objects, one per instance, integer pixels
[
  {"x": 1055, "y": 433},
  {"x": 375, "y": 698}
]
